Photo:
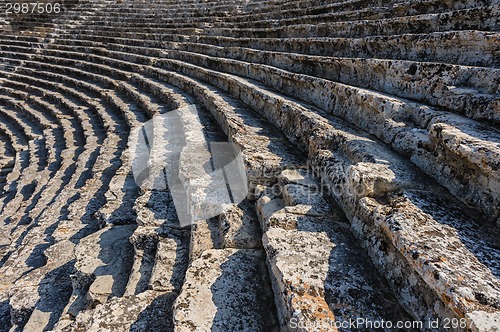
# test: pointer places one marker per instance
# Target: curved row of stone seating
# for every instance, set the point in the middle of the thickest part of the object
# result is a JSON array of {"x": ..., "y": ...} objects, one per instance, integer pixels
[
  {"x": 487, "y": 22},
  {"x": 452, "y": 87},
  {"x": 412, "y": 129},
  {"x": 456, "y": 47},
  {"x": 73, "y": 218},
  {"x": 485, "y": 19}
]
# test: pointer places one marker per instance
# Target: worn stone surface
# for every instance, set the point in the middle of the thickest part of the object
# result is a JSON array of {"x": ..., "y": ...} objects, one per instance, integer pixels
[
  {"x": 483, "y": 321},
  {"x": 107, "y": 257},
  {"x": 239, "y": 227},
  {"x": 226, "y": 290},
  {"x": 155, "y": 208},
  {"x": 171, "y": 261},
  {"x": 148, "y": 311},
  {"x": 205, "y": 235}
]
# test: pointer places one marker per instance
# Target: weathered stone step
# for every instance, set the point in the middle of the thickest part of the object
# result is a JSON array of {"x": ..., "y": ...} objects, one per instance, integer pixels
[
  {"x": 75, "y": 102},
  {"x": 100, "y": 273},
  {"x": 105, "y": 257},
  {"x": 40, "y": 111},
  {"x": 38, "y": 298},
  {"x": 319, "y": 275},
  {"x": 225, "y": 290},
  {"x": 161, "y": 259},
  {"x": 147, "y": 311},
  {"x": 32, "y": 239}
]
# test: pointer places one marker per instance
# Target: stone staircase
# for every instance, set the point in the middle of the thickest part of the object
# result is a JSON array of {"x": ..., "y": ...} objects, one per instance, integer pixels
[{"x": 369, "y": 131}]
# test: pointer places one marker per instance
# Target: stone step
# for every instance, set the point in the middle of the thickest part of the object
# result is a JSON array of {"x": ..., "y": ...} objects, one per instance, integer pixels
[
  {"x": 104, "y": 258},
  {"x": 319, "y": 273},
  {"x": 147, "y": 311},
  {"x": 170, "y": 261},
  {"x": 37, "y": 299},
  {"x": 226, "y": 290}
]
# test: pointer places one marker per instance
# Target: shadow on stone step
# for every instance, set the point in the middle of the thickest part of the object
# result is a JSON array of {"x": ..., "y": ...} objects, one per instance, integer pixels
[
  {"x": 242, "y": 295},
  {"x": 54, "y": 291},
  {"x": 361, "y": 287},
  {"x": 4, "y": 316},
  {"x": 110, "y": 256},
  {"x": 157, "y": 316}
]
